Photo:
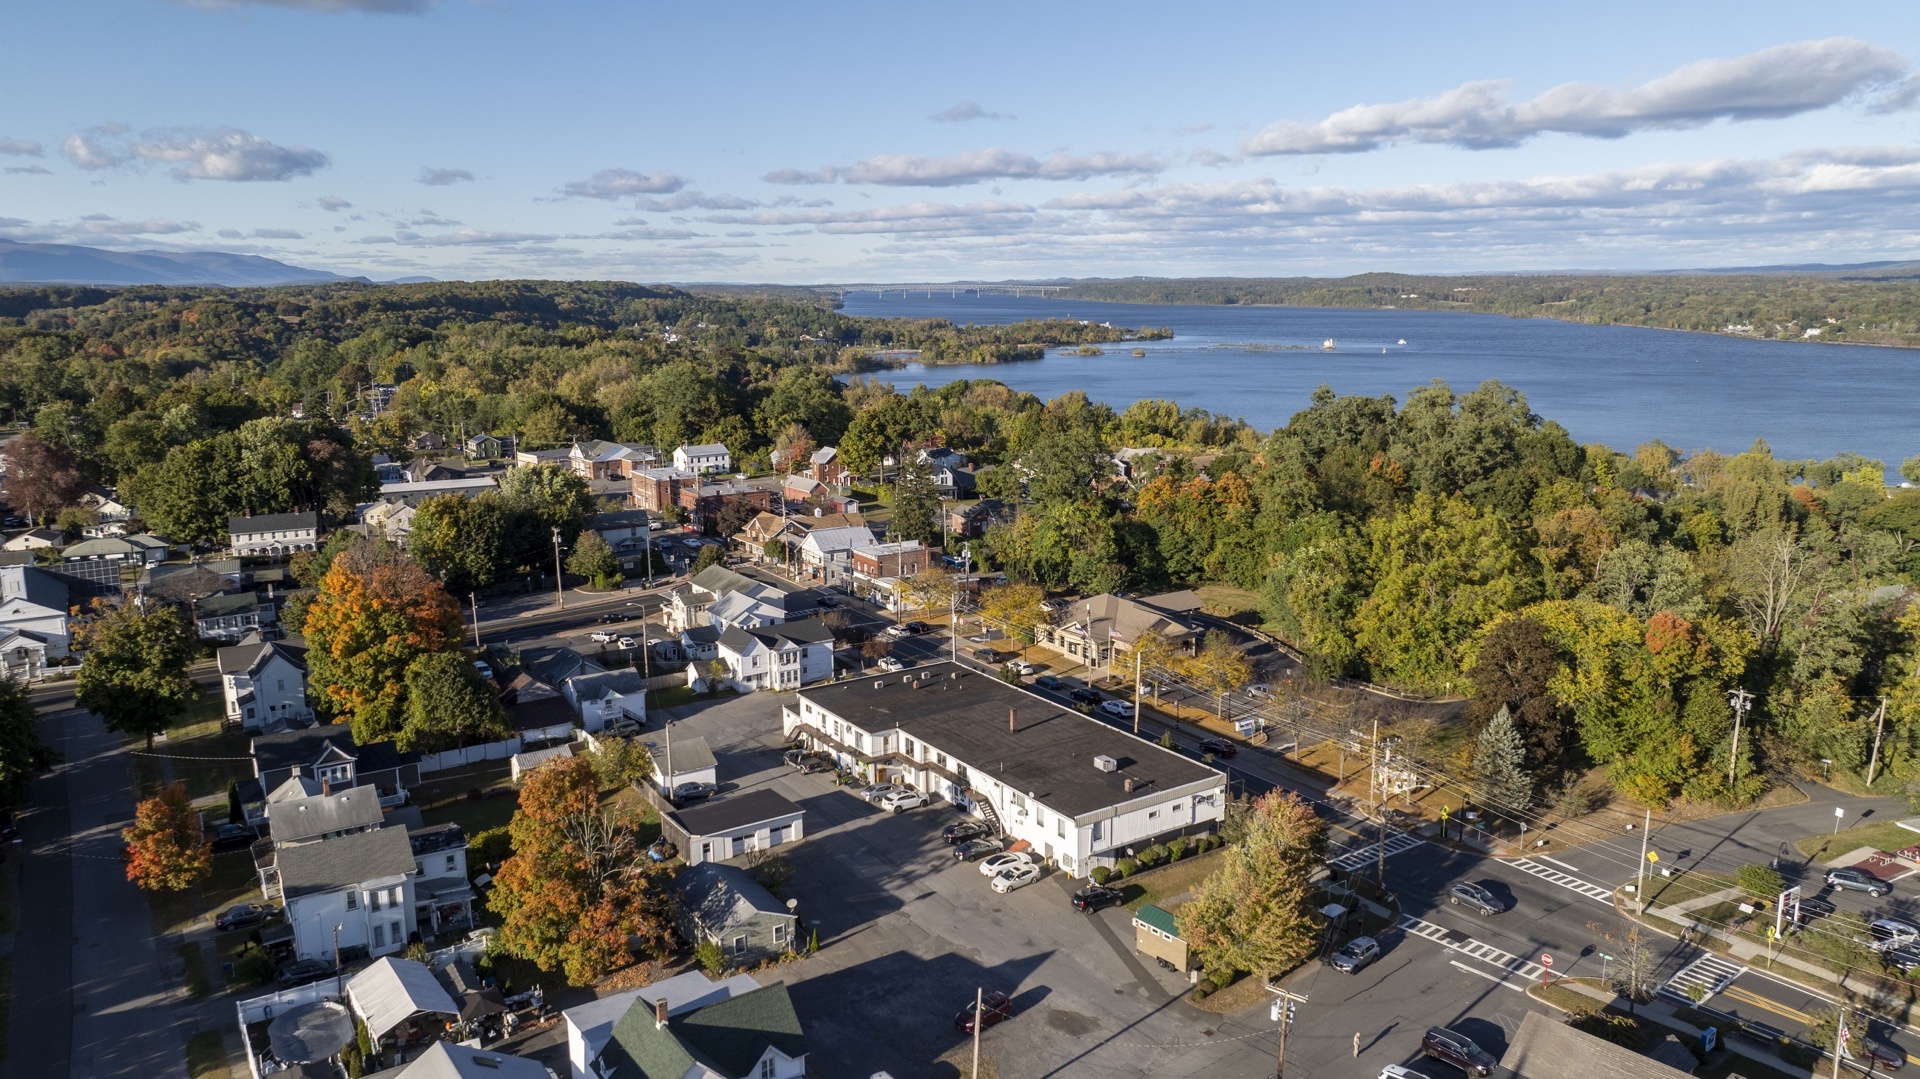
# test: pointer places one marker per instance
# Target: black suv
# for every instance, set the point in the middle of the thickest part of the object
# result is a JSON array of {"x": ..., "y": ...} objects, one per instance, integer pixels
[
  {"x": 1458, "y": 1050},
  {"x": 915, "y": 628},
  {"x": 1084, "y": 695},
  {"x": 1087, "y": 900},
  {"x": 1475, "y": 898},
  {"x": 965, "y": 830}
]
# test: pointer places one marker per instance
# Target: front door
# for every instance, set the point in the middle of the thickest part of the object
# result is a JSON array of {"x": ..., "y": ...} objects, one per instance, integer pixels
[{"x": 879, "y": 774}]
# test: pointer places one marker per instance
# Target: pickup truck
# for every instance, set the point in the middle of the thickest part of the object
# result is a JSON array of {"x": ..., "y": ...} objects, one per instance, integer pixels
[{"x": 603, "y": 636}]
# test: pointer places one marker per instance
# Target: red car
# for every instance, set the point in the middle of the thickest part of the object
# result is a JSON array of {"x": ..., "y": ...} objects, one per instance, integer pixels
[{"x": 993, "y": 1007}]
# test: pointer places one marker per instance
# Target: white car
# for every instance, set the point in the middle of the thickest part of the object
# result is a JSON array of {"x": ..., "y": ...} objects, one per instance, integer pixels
[
  {"x": 994, "y": 864},
  {"x": 1021, "y": 667},
  {"x": 873, "y": 792},
  {"x": 1123, "y": 709},
  {"x": 1018, "y": 876},
  {"x": 1259, "y": 691},
  {"x": 626, "y": 642},
  {"x": 894, "y": 631},
  {"x": 1400, "y": 1071},
  {"x": 888, "y": 663},
  {"x": 900, "y": 801},
  {"x": 603, "y": 636}
]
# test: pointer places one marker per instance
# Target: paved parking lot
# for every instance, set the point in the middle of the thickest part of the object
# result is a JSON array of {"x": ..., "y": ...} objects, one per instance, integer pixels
[{"x": 906, "y": 935}]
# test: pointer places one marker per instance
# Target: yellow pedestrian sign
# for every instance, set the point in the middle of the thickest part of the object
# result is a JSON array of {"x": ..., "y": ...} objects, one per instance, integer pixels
[{"x": 1653, "y": 856}]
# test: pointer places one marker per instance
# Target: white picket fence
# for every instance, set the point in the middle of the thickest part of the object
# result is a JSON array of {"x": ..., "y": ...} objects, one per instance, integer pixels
[{"x": 456, "y": 758}]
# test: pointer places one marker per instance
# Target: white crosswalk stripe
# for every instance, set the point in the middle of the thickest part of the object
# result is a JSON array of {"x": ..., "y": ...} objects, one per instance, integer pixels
[
  {"x": 1554, "y": 876},
  {"x": 1471, "y": 948},
  {"x": 1710, "y": 972},
  {"x": 1369, "y": 854}
]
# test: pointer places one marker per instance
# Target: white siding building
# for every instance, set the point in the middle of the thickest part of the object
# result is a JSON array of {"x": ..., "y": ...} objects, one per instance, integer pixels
[
  {"x": 273, "y": 534},
  {"x": 712, "y": 457},
  {"x": 1081, "y": 792},
  {"x": 779, "y": 657},
  {"x": 265, "y": 684}
]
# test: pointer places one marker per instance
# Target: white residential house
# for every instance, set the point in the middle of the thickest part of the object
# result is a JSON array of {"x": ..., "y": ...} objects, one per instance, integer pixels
[
  {"x": 37, "y": 603},
  {"x": 779, "y": 657},
  {"x": 711, "y": 457},
  {"x": 23, "y": 655},
  {"x": 686, "y": 759},
  {"x": 265, "y": 684},
  {"x": 33, "y": 539},
  {"x": 105, "y": 504},
  {"x": 333, "y": 863},
  {"x": 767, "y": 599},
  {"x": 443, "y": 897},
  {"x": 827, "y": 553},
  {"x": 604, "y": 697},
  {"x": 700, "y": 643},
  {"x": 272, "y": 535}
]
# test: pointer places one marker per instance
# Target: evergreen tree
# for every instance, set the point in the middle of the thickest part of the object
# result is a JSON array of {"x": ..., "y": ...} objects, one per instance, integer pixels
[
  {"x": 916, "y": 503},
  {"x": 1499, "y": 757}
]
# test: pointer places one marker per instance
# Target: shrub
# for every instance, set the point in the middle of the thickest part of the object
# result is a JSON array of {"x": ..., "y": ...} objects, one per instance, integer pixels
[
  {"x": 1166, "y": 739},
  {"x": 1153, "y": 856},
  {"x": 253, "y": 964},
  {"x": 1101, "y": 874},
  {"x": 1203, "y": 990},
  {"x": 711, "y": 958},
  {"x": 1176, "y": 849},
  {"x": 1125, "y": 867}
]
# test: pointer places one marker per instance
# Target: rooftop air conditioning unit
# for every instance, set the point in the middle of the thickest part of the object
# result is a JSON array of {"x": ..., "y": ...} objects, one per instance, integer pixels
[{"x": 1106, "y": 763}]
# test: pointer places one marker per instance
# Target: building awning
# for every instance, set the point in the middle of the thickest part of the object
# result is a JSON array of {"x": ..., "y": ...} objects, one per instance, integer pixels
[
  {"x": 311, "y": 1032},
  {"x": 391, "y": 991}
]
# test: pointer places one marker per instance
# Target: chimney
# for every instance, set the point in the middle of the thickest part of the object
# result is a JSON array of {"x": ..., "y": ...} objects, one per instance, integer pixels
[
  {"x": 1128, "y": 785},
  {"x": 326, "y": 787},
  {"x": 1013, "y": 715},
  {"x": 660, "y": 1012}
]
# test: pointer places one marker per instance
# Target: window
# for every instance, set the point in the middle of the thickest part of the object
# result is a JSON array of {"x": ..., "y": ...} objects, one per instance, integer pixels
[
  {"x": 1176, "y": 807},
  {"x": 373, "y": 901},
  {"x": 379, "y": 936},
  {"x": 451, "y": 862},
  {"x": 353, "y": 901},
  {"x": 766, "y": 1068},
  {"x": 1060, "y": 827},
  {"x": 396, "y": 932},
  {"x": 779, "y": 934},
  {"x": 1019, "y": 801},
  {"x": 1039, "y": 815},
  {"x": 1153, "y": 814},
  {"x": 740, "y": 945}
]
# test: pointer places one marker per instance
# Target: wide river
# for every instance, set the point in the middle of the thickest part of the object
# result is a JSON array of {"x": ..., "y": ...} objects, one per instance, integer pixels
[{"x": 1619, "y": 385}]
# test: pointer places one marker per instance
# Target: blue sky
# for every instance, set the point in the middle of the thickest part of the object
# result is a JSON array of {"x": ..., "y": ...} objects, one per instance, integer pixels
[{"x": 891, "y": 142}]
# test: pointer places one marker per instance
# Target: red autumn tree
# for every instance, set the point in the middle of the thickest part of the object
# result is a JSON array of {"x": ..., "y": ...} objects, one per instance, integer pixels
[
  {"x": 166, "y": 850},
  {"x": 42, "y": 477},
  {"x": 576, "y": 887}
]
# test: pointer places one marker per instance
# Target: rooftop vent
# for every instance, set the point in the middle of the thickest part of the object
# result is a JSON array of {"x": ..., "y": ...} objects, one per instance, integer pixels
[{"x": 1106, "y": 763}]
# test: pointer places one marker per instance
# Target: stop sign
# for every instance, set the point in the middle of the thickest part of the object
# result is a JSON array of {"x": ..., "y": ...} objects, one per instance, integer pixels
[{"x": 1546, "y": 960}]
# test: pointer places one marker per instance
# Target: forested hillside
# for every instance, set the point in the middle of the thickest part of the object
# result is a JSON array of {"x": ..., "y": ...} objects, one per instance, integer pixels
[
  {"x": 1859, "y": 310},
  {"x": 1453, "y": 543}
]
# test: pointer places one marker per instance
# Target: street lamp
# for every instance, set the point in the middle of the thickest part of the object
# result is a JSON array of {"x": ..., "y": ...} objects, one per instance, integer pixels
[{"x": 559, "y": 583}]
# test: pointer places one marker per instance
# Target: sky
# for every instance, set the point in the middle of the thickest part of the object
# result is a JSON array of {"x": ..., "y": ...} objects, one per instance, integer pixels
[{"x": 844, "y": 142}]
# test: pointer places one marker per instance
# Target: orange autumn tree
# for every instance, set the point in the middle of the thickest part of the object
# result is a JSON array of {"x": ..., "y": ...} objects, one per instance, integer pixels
[
  {"x": 576, "y": 887},
  {"x": 375, "y": 613},
  {"x": 166, "y": 850}
]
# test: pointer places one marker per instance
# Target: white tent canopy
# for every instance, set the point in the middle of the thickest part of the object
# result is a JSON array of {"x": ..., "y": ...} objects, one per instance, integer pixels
[{"x": 391, "y": 991}]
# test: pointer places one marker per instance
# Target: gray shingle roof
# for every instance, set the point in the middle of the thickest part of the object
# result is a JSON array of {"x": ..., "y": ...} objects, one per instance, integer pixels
[
  {"x": 592, "y": 687},
  {"x": 690, "y": 753},
  {"x": 272, "y": 522},
  {"x": 449, "y": 1060},
  {"x": 1549, "y": 1049},
  {"x": 325, "y": 865},
  {"x": 718, "y": 897},
  {"x": 295, "y": 819}
]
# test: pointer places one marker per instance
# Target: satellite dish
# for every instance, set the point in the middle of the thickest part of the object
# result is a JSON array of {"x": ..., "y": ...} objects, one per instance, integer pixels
[{"x": 793, "y": 904}]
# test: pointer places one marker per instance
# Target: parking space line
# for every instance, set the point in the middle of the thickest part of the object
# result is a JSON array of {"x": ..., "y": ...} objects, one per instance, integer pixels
[{"x": 1483, "y": 974}]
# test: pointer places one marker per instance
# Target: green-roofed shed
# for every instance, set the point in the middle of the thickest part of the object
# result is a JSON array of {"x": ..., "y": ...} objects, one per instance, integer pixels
[
  {"x": 750, "y": 1036},
  {"x": 1157, "y": 935}
]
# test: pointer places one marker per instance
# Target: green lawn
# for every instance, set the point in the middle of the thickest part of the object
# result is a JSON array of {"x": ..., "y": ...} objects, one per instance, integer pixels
[
  {"x": 207, "y": 1055},
  {"x": 233, "y": 881},
  {"x": 457, "y": 783},
  {"x": 1665, "y": 892},
  {"x": 1173, "y": 879},
  {"x": 1885, "y": 835},
  {"x": 195, "y": 970},
  {"x": 472, "y": 816}
]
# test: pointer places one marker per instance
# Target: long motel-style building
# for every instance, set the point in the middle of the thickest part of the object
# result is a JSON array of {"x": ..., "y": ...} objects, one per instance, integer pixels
[{"x": 1082, "y": 793}]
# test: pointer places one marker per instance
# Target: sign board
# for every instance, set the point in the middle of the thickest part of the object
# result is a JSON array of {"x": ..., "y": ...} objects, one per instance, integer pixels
[
  {"x": 1246, "y": 726},
  {"x": 1839, "y": 811},
  {"x": 1546, "y": 960},
  {"x": 1653, "y": 856},
  {"x": 1709, "y": 1038}
]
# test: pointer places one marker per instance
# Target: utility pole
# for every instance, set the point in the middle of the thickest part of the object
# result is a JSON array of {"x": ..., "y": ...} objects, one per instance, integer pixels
[
  {"x": 953, "y": 625},
  {"x": 1640, "y": 879},
  {"x": 1281, "y": 1012},
  {"x": 1742, "y": 700},
  {"x": 1879, "y": 728},
  {"x": 474, "y": 600},
  {"x": 979, "y": 995},
  {"x": 1136, "y": 691},
  {"x": 339, "y": 976},
  {"x": 1839, "y": 1039},
  {"x": 559, "y": 583}
]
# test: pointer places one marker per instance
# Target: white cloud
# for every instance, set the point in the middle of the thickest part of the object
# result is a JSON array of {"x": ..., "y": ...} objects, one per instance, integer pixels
[
  {"x": 974, "y": 166},
  {"x": 29, "y": 170},
  {"x": 620, "y": 183},
  {"x": 105, "y": 225},
  {"x": 372, "y": 7},
  {"x": 278, "y": 234},
  {"x": 1776, "y": 82},
  {"x": 693, "y": 200},
  {"x": 334, "y": 203},
  {"x": 1902, "y": 95},
  {"x": 21, "y": 148},
  {"x": 223, "y": 153},
  {"x": 967, "y": 110},
  {"x": 921, "y": 218},
  {"x": 471, "y": 237},
  {"x": 433, "y": 177}
]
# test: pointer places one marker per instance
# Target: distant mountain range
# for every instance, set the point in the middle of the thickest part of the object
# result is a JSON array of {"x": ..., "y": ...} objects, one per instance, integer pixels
[{"x": 67, "y": 264}]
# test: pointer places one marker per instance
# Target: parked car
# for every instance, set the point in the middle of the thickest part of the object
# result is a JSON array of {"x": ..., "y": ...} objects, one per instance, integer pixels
[
  {"x": 1401, "y": 1071},
  {"x": 1259, "y": 691},
  {"x": 856, "y": 635},
  {"x": 998, "y": 862},
  {"x": 916, "y": 628},
  {"x": 994, "y": 1007},
  {"x": 626, "y": 642},
  {"x": 1475, "y": 898},
  {"x": 873, "y": 792},
  {"x": 242, "y": 916},
  {"x": 890, "y": 664},
  {"x": 986, "y": 655},
  {"x": 1048, "y": 681},
  {"x": 1458, "y": 1050},
  {"x": 1012, "y": 877},
  {"x": 1355, "y": 955},
  {"x": 1848, "y": 879},
  {"x": 978, "y": 848},
  {"x": 233, "y": 837},
  {"x": 691, "y": 792},
  {"x": 485, "y": 669},
  {"x": 1892, "y": 932},
  {"x": 625, "y": 726},
  {"x": 825, "y": 601},
  {"x": 895, "y": 631},
  {"x": 1219, "y": 747},
  {"x": 1021, "y": 667},
  {"x": 901, "y": 801},
  {"x": 806, "y": 763},
  {"x": 303, "y": 971},
  {"x": 1905, "y": 956},
  {"x": 1813, "y": 907},
  {"x": 1086, "y": 695},
  {"x": 603, "y": 636},
  {"x": 965, "y": 830},
  {"x": 1123, "y": 709},
  {"x": 1092, "y": 898},
  {"x": 1885, "y": 1055}
]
